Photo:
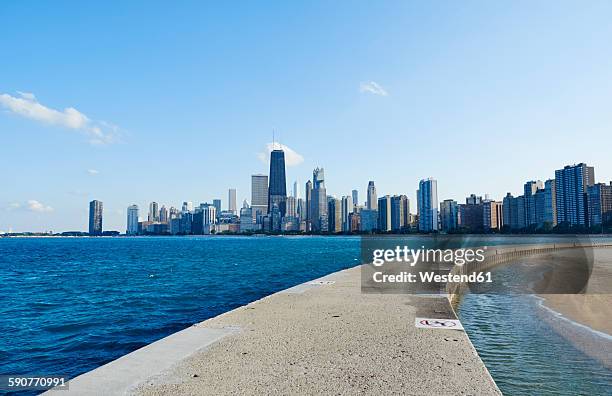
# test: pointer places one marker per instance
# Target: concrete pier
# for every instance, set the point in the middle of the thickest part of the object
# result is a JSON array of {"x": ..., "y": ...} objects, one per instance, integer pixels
[{"x": 322, "y": 337}]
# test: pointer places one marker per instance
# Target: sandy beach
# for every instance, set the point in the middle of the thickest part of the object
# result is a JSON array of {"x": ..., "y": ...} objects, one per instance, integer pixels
[{"x": 592, "y": 308}]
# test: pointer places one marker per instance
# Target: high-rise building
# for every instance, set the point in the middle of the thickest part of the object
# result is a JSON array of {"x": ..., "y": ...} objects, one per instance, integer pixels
[
  {"x": 308, "y": 202},
  {"x": 400, "y": 211},
  {"x": 471, "y": 214},
  {"x": 384, "y": 213},
  {"x": 301, "y": 209},
  {"x": 600, "y": 204},
  {"x": 296, "y": 190},
  {"x": 347, "y": 209},
  {"x": 513, "y": 212},
  {"x": 543, "y": 207},
  {"x": 571, "y": 185},
  {"x": 277, "y": 187},
  {"x": 95, "y": 217},
  {"x": 368, "y": 220},
  {"x": 355, "y": 196},
  {"x": 291, "y": 207},
  {"x": 334, "y": 211},
  {"x": 246, "y": 218},
  {"x": 187, "y": 206},
  {"x": 204, "y": 219},
  {"x": 427, "y": 205},
  {"x": 217, "y": 205},
  {"x": 529, "y": 191},
  {"x": 153, "y": 212},
  {"x": 231, "y": 198},
  {"x": 163, "y": 214},
  {"x": 449, "y": 215},
  {"x": 259, "y": 196},
  {"x": 492, "y": 215},
  {"x": 371, "y": 199},
  {"x": 132, "y": 220},
  {"x": 318, "y": 207}
]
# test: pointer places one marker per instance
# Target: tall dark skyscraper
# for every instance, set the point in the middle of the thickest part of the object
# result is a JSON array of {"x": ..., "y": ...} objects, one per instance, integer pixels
[
  {"x": 95, "y": 218},
  {"x": 277, "y": 189}
]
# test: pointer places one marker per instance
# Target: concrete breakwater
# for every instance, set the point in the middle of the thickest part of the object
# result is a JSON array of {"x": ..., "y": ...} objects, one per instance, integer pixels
[
  {"x": 505, "y": 254},
  {"x": 320, "y": 337}
]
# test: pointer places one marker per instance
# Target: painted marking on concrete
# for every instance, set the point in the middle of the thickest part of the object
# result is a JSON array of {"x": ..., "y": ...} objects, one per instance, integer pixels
[
  {"x": 444, "y": 324},
  {"x": 125, "y": 373},
  {"x": 322, "y": 282}
]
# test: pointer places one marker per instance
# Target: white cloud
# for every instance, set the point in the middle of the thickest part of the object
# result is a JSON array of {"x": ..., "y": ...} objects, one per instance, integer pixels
[
  {"x": 373, "y": 88},
  {"x": 32, "y": 205},
  {"x": 292, "y": 158},
  {"x": 93, "y": 172},
  {"x": 35, "y": 206},
  {"x": 26, "y": 105}
]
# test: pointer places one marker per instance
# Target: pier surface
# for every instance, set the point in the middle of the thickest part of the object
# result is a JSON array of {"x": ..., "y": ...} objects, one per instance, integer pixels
[{"x": 322, "y": 337}]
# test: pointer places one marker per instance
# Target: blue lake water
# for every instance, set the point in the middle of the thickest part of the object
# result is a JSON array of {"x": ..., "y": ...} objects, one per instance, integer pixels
[{"x": 69, "y": 305}]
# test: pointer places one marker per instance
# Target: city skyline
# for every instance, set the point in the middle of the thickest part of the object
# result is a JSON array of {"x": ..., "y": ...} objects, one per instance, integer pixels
[{"x": 482, "y": 107}]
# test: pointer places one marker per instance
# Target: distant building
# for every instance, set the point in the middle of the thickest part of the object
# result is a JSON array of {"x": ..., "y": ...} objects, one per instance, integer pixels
[
  {"x": 355, "y": 221},
  {"x": 187, "y": 206},
  {"x": 427, "y": 205},
  {"x": 246, "y": 218},
  {"x": 231, "y": 200},
  {"x": 204, "y": 219},
  {"x": 291, "y": 207},
  {"x": 600, "y": 204},
  {"x": 543, "y": 201},
  {"x": 277, "y": 186},
  {"x": 217, "y": 205},
  {"x": 95, "y": 217},
  {"x": 355, "y": 196},
  {"x": 259, "y": 195},
  {"x": 153, "y": 212},
  {"x": 296, "y": 190},
  {"x": 368, "y": 220},
  {"x": 529, "y": 192},
  {"x": 372, "y": 200},
  {"x": 301, "y": 209},
  {"x": 318, "y": 207},
  {"x": 513, "y": 212},
  {"x": 449, "y": 215},
  {"x": 400, "y": 213},
  {"x": 384, "y": 213},
  {"x": 334, "y": 214},
  {"x": 347, "y": 209},
  {"x": 132, "y": 220},
  {"x": 571, "y": 185},
  {"x": 471, "y": 217},
  {"x": 308, "y": 202},
  {"x": 163, "y": 214},
  {"x": 492, "y": 215}
]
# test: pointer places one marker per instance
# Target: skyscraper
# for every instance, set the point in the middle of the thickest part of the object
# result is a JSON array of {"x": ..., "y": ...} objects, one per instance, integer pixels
[
  {"x": 427, "y": 205},
  {"x": 571, "y": 185},
  {"x": 291, "y": 207},
  {"x": 384, "y": 213},
  {"x": 372, "y": 200},
  {"x": 163, "y": 214},
  {"x": 334, "y": 211},
  {"x": 296, "y": 190},
  {"x": 217, "y": 205},
  {"x": 187, "y": 206},
  {"x": 231, "y": 198},
  {"x": 132, "y": 220},
  {"x": 355, "y": 196},
  {"x": 400, "y": 211},
  {"x": 277, "y": 187},
  {"x": 347, "y": 209},
  {"x": 530, "y": 189},
  {"x": 95, "y": 217},
  {"x": 259, "y": 195},
  {"x": 153, "y": 212},
  {"x": 308, "y": 202},
  {"x": 600, "y": 204},
  {"x": 318, "y": 209},
  {"x": 449, "y": 215}
]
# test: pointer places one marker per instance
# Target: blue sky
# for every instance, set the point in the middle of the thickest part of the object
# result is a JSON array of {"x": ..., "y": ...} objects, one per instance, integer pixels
[{"x": 173, "y": 102}]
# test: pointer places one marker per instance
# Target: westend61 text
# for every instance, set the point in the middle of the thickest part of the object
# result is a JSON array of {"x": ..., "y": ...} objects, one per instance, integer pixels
[
  {"x": 432, "y": 277},
  {"x": 412, "y": 256}
]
